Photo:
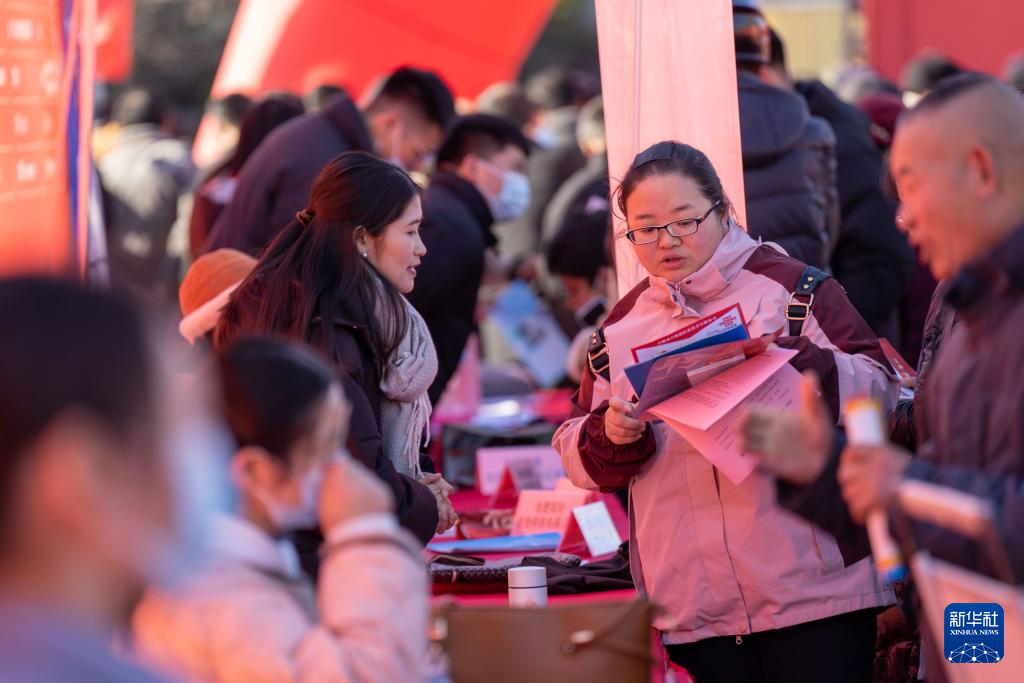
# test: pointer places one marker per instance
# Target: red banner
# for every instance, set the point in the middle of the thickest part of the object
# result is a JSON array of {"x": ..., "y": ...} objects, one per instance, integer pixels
[
  {"x": 296, "y": 45},
  {"x": 114, "y": 22},
  {"x": 35, "y": 225},
  {"x": 44, "y": 171}
]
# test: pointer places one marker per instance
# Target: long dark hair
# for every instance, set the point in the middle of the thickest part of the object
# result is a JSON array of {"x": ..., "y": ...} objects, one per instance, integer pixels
[
  {"x": 270, "y": 391},
  {"x": 313, "y": 265}
]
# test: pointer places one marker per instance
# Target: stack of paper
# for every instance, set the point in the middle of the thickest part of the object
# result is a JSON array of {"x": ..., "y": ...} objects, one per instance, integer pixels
[{"x": 700, "y": 379}]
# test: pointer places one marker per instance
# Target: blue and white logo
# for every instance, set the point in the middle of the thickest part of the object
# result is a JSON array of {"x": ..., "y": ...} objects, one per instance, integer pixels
[{"x": 974, "y": 633}]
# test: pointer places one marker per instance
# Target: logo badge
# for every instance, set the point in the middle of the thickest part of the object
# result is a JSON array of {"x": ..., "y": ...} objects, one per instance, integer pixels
[{"x": 974, "y": 633}]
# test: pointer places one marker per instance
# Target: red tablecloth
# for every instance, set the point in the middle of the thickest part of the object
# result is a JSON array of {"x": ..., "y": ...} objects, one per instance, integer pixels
[{"x": 466, "y": 500}]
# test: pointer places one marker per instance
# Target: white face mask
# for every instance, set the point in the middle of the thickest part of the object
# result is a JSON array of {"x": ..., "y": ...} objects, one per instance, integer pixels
[
  {"x": 513, "y": 197},
  {"x": 287, "y": 517}
]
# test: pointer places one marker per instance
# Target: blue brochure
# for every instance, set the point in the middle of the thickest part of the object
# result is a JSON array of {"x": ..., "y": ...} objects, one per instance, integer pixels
[
  {"x": 637, "y": 374},
  {"x": 500, "y": 544}
]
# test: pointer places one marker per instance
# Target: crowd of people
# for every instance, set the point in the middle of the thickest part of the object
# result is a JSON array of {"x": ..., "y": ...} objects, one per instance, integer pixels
[{"x": 250, "y": 501}]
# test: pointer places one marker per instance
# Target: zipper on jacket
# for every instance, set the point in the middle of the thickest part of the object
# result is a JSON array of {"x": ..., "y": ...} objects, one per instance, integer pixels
[{"x": 739, "y": 640}]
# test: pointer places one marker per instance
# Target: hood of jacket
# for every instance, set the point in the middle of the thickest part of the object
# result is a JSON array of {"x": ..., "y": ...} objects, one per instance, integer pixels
[{"x": 772, "y": 120}]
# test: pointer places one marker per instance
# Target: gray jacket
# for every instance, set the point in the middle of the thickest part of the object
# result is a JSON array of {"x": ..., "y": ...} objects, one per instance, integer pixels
[
  {"x": 789, "y": 171},
  {"x": 143, "y": 176}
]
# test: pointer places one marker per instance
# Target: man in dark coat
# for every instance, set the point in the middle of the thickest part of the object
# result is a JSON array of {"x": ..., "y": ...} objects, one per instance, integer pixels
[
  {"x": 871, "y": 258},
  {"x": 403, "y": 122},
  {"x": 789, "y": 164},
  {"x": 480, "y": 155},
  {"x": 958, "y": 162}
]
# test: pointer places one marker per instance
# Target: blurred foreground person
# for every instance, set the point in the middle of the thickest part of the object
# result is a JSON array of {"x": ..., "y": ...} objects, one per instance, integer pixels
[
  {"x": 250, "y": 615},
  {"x": 334, "y": 279},
  {"x": 402, "y": 121},
  {"x": 958, "y": 163},
  {"x": 102, "y": 486}
]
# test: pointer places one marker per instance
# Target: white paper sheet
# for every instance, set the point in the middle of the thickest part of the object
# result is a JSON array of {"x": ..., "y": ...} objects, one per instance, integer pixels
[
  {"x": 708, "y": 402},
  {"x": 720, "y": 444}
]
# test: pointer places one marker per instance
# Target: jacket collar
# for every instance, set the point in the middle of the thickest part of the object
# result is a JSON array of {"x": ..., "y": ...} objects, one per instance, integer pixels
[
  {"x": 999, "y": 269},
  {"x": 467, "y": 194},
  {"x": 711, "y": 279},
  {"x": 342, "y": 114},
  {"x": 238, "y": 541}
]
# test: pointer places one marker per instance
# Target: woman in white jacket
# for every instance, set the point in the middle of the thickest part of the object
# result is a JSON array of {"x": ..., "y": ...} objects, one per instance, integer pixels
[{"x": 251, "y": 615}]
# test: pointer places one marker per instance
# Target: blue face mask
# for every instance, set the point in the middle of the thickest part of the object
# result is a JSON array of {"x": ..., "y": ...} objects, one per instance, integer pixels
[{"x": 514, "y": 196}]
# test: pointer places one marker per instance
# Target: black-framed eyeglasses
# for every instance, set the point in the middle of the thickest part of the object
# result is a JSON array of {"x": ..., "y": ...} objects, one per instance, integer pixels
[{"x": 680, "y": 228}]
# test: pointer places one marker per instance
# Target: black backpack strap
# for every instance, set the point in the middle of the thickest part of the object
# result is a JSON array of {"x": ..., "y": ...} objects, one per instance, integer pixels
[
  {"x": 798, "y": 311},
  {"x": 597, "y": 355}
]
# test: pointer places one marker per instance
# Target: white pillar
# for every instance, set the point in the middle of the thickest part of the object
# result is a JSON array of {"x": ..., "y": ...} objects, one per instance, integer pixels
[{"x": 668, "y": 72}]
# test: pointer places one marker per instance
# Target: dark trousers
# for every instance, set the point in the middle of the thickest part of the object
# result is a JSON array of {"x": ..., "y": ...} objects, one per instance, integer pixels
[{"x": 839, "y": 649}]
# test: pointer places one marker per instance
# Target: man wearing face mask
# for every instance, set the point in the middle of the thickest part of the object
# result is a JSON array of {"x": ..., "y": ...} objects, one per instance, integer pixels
[
  {"x": 402, "y": 120},
  {"x": 479, "y": 181},
  {"x": 96, "y": 500},
  {"x": 250, "y": 614}
]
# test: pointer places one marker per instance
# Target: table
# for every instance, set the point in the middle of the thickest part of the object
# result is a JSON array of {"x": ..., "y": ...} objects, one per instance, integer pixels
[{"x": 469, "y": 499}]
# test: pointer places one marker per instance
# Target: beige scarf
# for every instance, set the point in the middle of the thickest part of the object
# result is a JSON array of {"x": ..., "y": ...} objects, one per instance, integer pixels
[{"x": 405, "y": 408}]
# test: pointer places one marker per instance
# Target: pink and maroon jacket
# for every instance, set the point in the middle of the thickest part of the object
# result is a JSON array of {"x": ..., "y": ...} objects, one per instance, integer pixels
[{"x": 725, "y": 559}]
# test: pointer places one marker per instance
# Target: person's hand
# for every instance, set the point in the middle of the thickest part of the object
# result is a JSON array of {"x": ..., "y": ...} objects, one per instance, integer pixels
[
  {"x": 499, "y": 519},
  {"x": 620, "y": 423},
  {"x": 446, "y": 516},
  {"x": 350, "y": 490},
  {"x": 869, "y": 477},
  {"x": 794, "y": 445}
]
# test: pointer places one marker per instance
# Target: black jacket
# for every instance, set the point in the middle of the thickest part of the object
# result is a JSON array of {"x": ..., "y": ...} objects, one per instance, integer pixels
[
  {"x": 275, "y": 181},
  {"x": 415, "y": 505},
  {"x": 789, "y": 171},
  {"x": 456, "y": 230},
  {"x": 871, "y": 259}
]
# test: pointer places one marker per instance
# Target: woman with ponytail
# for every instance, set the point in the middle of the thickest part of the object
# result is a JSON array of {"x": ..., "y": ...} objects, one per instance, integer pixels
[{"x": 335, "y": 278}]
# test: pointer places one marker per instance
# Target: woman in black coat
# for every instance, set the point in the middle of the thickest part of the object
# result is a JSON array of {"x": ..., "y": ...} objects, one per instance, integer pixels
[{"x": 334, "y": 278}]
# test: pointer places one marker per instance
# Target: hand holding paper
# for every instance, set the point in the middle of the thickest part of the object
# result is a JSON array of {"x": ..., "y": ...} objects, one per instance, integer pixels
[
  {"x": 620, "y": 423},
  {"x": 793, "y": 445}
]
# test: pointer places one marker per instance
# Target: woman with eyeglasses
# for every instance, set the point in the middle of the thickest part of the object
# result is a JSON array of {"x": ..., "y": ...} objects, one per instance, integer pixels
[{"x": 750, "y": 591}]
